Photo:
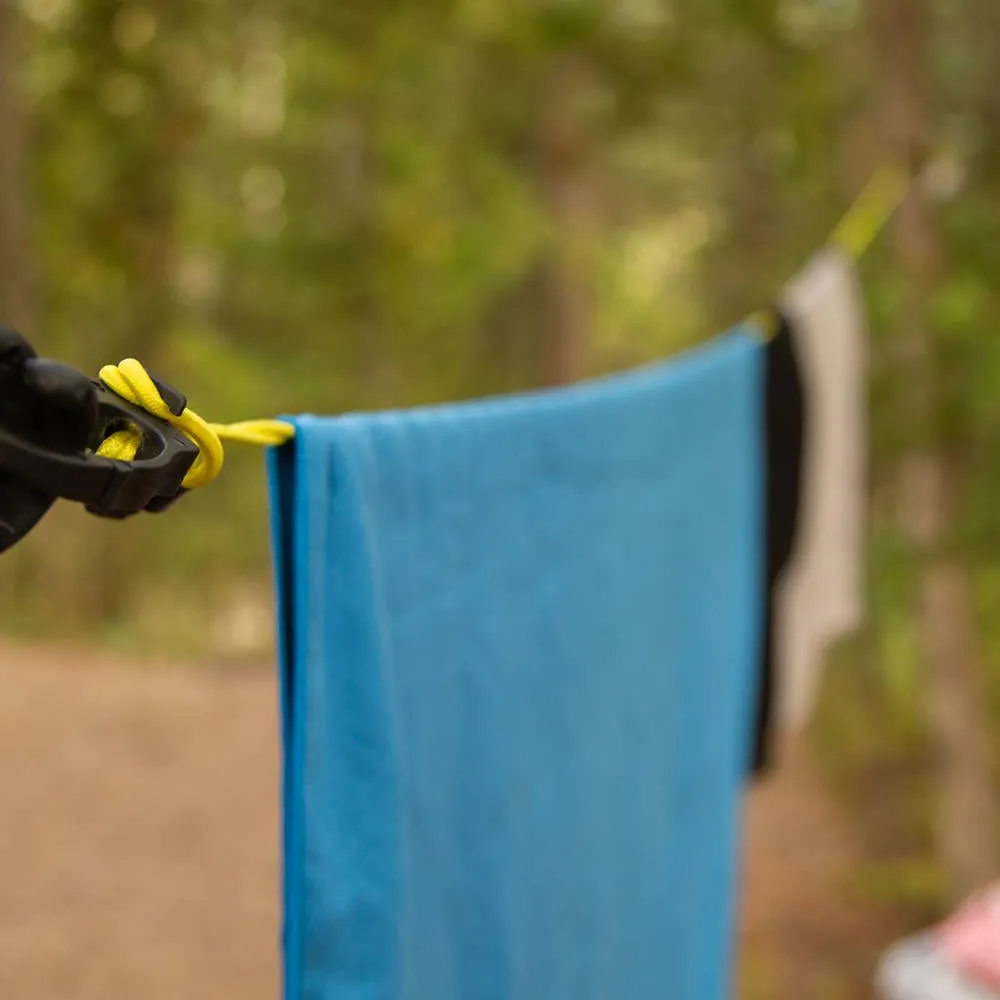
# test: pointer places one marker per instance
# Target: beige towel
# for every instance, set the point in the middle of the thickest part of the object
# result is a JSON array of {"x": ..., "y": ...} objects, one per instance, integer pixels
[{"x": 820, "y": 594}]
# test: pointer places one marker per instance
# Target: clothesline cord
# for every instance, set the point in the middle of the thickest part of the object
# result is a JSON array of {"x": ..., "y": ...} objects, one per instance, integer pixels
[
  {"x": 854, "y": 234},
  {"x": 860, "y": 226}
]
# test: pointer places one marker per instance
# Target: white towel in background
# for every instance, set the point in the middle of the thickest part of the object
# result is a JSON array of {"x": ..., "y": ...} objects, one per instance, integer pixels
[{"x": 820, "y": 594}]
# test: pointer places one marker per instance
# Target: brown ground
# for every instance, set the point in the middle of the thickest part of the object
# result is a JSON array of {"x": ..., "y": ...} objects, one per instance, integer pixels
[{"x": 138, "y": 859}]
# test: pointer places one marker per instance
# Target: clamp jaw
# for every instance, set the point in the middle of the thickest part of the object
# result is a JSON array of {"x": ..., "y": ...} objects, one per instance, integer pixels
[{"x": 52, "y": 419}]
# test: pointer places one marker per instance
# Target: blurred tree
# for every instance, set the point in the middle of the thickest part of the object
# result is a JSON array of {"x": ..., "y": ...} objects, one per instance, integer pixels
[
  {"x": 16, "y": 244},
  {"x": 134, "y": 62},
  {"x": 934, "y": 476},
  {"x": 565, "y": 163},
  {"x": 17, "y": 195}
]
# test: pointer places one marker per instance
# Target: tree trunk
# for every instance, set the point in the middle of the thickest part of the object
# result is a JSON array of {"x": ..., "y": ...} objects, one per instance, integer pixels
[
  {"x": 16, "y": 257},
  {"x": 141, "y": 214},
  {"x": 15, "y": 276},
  {"x": 562, "y": 160},
  {"x": 932, "y": 484}
]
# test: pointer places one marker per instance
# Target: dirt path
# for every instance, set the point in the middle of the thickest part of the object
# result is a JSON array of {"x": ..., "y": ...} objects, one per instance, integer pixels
[
  {"x": 804, "y": 934},
  {"x": 138, "y": 857}
]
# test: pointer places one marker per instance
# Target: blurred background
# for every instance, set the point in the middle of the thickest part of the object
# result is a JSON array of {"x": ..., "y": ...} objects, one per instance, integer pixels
[{"x": 321, "y": 205}]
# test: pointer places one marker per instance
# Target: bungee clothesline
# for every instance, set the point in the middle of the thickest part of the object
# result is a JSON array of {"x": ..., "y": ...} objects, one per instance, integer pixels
[
  {"x": 872, "y": 210},
  {"x": 854, "y": 234}
]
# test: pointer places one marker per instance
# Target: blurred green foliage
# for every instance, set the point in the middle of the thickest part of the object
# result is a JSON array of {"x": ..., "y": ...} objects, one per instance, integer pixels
[
  {"x": 293, "y": 205},
  {"x": 303, "y": 205}
]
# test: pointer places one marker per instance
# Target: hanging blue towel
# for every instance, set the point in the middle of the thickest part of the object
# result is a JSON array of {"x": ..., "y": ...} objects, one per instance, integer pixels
[{"x": 519, "y": 646}]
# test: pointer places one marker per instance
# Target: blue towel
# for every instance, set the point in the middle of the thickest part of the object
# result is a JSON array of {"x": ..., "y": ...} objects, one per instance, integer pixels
[{"x": 519, "y": 641}]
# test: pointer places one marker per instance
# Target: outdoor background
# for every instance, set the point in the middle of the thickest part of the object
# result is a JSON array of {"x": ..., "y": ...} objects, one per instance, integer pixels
[{"x": 293, "y": 205}]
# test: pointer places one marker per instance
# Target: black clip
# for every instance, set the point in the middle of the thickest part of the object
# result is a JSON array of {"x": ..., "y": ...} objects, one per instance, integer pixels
[{"x": 52, "y": 417}]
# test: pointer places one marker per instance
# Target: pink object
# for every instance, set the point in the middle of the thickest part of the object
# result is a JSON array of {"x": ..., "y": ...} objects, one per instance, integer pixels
[{"x": 971, "y": 937}]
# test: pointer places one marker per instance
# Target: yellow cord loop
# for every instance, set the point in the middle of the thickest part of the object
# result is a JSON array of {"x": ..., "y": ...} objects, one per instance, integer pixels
[{"x": 131, "y": 381}]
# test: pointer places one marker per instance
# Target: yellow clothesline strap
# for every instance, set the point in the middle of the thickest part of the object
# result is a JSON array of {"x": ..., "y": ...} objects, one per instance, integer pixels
[
  {"x": 872, "y": 210},
  {"x": 268, "y": 433},
  {"x": 854, "y": 234},
  {"x": 860, "y": 226},
  {"x": 132, "y": 382}
]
